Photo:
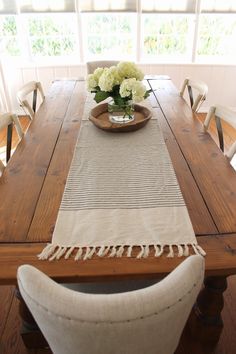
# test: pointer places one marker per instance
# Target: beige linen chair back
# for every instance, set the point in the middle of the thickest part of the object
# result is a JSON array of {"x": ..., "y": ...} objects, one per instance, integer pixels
[
  {"x": 148, "y": 320},
  {"x": 92, "y": 65},
  {"x": 32, "y": 88},
  {"x": 229, "y": 116},
  {"x": 201, "y": 89},
  {"x": 9, "y": 120}
]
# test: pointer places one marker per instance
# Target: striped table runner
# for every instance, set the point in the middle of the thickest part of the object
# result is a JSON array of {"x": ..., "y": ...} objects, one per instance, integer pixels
[{"x": 121, "y": 192}]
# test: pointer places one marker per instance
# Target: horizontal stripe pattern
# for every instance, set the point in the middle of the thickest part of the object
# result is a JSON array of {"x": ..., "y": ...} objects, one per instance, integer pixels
[
  {"x": 121, "y": 192},
  {"x": 121, "y": 171}
]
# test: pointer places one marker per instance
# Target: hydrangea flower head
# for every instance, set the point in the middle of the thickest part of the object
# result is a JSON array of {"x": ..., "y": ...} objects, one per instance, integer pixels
[
  {"x": 128, "y": 70},
  {"x": 121, "y": 82}
]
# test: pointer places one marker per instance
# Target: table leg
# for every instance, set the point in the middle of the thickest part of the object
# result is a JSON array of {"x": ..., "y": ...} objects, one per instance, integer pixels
[
  {"x": 30, "y": 332},
  {"x": 205, "y": 322}
]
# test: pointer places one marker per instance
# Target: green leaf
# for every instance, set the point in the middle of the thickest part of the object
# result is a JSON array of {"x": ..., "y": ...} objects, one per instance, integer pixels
[
  {"x": 147, "y": 93},
  {"x": 119, "y": 101},
  {"x": 101, "y": 95}
]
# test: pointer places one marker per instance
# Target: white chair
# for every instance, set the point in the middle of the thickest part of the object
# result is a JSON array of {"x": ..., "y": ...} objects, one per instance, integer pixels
[
  {"x": 229, "y": 116},
  {"x": 198, "y": 86},
  {"x": 9, "y": 120},
  {"x": 32, "y": 88},
  {"x": 148, "y": 320},
  {"x": 92, "y": 65}
]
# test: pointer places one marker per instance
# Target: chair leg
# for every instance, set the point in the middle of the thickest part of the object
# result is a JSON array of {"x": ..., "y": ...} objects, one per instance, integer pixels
[{"x": 9, "y": 141}]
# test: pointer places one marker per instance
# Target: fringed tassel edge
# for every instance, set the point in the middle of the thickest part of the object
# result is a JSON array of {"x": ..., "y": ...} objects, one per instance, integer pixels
[{"x": 54, "y": 252}]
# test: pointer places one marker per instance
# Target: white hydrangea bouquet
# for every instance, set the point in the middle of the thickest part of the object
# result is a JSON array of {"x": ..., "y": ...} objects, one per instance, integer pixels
[{"x": 123, "y": 83}]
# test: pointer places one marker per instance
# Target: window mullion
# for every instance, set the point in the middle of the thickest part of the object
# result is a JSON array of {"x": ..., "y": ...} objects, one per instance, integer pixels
[
  {"x": 79, "y": 31},
  {"x": 196, "y": 30},
  {"x": 138, "y": 33},
  {"x": 23, "y": 37}
]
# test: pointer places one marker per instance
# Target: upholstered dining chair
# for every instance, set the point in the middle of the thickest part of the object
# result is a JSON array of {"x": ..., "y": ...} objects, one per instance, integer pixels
[
  {"x": 92, "y": 65},
  {"x": 9, "y": 120},
  {"x": 199, "y": 87},
  {"x": 28, "y": 91},
  {"x": 229, "y": 116},
  {"x": 148, "y": 320}
]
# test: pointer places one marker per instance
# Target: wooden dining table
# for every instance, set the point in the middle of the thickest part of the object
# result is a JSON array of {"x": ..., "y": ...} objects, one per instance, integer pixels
[{"x": 33, "y": 182}]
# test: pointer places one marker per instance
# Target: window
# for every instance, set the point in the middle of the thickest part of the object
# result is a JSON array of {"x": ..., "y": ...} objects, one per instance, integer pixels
[
  {"x": 148, "y": 30},
  {"x": 9, "y": 39},
  {"x": 52, "y": 35},
  {"x": 217, "y": 30},
  {"x": 42, "y": 29},
  {"x": 109, "y": 35},
  {"x": 167, "y": 29},
  {"x": 165, "y": 36},
  {"x": 109, "y": 28},
  {"x": 217, "y": 36}
]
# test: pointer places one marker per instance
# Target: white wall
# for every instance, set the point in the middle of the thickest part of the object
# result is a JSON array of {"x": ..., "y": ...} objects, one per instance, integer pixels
[{"x": 221, "y": 79}]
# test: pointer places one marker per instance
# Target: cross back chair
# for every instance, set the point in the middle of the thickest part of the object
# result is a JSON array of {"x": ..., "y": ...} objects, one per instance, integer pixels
[
  {"x": 200, "y": 87},
  {"x": 222, "y": 113},
  {"x": 147, "y": 320},
  {"x": 93, "y": 65},
  {"x": 34, "y": 88},
  {"x": 8, "y": 120}
]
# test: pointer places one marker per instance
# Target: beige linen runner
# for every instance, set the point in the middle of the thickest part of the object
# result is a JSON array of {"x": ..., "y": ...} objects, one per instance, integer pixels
[{"x": 121, "y": 192}]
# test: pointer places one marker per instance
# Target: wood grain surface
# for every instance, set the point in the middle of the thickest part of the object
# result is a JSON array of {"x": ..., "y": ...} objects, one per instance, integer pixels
[
  {"x": 215, "y": 177},
  {"x": 23, "y": 179},
  {"x": 220, "y": 260},
  {"x": 33, "y": 184}
]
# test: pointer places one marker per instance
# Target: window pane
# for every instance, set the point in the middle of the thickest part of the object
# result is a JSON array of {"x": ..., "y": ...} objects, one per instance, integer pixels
[
  {"x": 9, "y": 36},
  {"x": 217, "y": 37},
  {"x": 109, "y": 35},
  {"x": 167, "y": 37},
  {"x": 68, "y": 45},
  {"x": 38, "y": 47},
  {"x": 52, "y": 35}
]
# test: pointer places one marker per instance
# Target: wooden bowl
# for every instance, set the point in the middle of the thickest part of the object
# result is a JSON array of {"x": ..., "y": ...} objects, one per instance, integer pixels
[{"x": 99, "y": 116}]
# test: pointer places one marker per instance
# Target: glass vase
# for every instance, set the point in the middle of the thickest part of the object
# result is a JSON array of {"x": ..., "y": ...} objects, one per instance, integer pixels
[{"x": 121, "y": 114}]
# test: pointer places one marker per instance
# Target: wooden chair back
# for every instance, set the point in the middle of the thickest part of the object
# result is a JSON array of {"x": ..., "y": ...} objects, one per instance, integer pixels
[
  {"x": 228, "y": 115},
  {"x": 8, "y": 120},
  {"x": 32, "y": 87},
  {"x": 201, "y": 89}
]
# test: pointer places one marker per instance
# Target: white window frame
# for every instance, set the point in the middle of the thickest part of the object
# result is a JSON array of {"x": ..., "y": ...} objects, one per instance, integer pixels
[{"x": 26, "y": 55}]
